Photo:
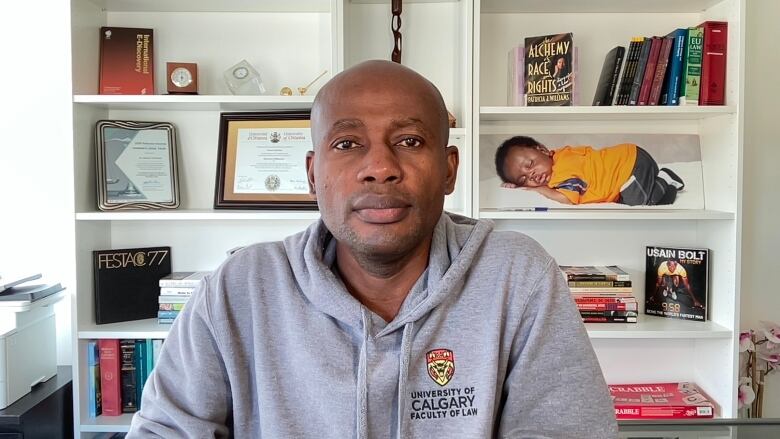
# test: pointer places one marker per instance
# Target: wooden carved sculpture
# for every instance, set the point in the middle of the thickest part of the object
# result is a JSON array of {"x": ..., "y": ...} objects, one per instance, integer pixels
[{"x": 397, "y": 8}]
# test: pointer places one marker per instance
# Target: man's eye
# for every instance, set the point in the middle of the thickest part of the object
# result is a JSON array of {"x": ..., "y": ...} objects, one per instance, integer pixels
[
  {"x": 410, "y": 142},
  {"x": 345, "y": 144}
]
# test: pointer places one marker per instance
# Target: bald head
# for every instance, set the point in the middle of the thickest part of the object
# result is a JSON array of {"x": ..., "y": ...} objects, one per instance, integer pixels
[{"x": 372, "y": 79}]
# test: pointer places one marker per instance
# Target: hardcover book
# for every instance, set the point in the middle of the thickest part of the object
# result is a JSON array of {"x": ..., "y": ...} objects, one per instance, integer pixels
[
  {"x": 126, "y": 61},
  {"x": 676, "y": 282},
  {"x": 129, "y": 377},
  {"x": 647, "y": 78},
  {"x": 594, "y": 273},
  {"x": 605, "y": 90},
  {"x": 110, "y": 384},
  {"x": 549, "y": 77},
  {"x": 672, "y": 85},
  {"x": 660, "y": 71},
  {"x": 126, "y": 282},
  {"x": 639, "y": 72},
  {"x": 93, "y": 379},
  {"x": 183, "y": 279},
  {"x": 627, "y": 75},
  {"x": 661, "y": 401},
  {"x": 689, "y": 86},
  {"x": 712, "y": 90}
]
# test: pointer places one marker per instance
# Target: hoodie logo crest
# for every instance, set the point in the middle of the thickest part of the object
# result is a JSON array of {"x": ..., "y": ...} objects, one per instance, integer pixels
[{"x": 441, "y": 365}]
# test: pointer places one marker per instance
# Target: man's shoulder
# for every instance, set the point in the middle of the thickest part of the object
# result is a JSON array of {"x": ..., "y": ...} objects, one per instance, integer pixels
[
  {"x": 516, "y": 246},
  {"x": 261, "y": 256}
]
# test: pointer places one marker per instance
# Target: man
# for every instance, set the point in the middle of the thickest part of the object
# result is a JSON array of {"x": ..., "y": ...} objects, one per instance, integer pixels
[{"x": 387, "y": 318}]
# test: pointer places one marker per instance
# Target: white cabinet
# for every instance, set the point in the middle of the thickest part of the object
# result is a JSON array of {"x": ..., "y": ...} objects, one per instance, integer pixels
[{"x": 462, "y": 47}]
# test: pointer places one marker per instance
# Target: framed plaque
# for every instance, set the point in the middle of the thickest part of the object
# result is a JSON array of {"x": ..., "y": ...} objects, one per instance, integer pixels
[
  {"x": 136, "y": 165},
  {"x": 261, "y": 162}
]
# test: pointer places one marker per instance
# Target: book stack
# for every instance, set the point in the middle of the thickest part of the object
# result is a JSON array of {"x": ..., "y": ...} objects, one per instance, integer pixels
[
  {"x": 175, "y": 291},
  {"x": 683, "y": 400},
  {"x": 684, "y": 67},
  {"x": 118, "y": 370},
  {"x": 603, "y": 294}
]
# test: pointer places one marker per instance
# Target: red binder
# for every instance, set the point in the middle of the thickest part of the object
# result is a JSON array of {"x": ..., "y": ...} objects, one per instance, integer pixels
[{"x": 713, "y": 66}]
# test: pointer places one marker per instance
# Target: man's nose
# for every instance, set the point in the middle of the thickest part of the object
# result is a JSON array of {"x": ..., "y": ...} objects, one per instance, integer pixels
[{"x": 380, "y": 165}]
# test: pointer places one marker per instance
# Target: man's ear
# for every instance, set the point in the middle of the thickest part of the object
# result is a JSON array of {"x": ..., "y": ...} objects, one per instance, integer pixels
[
  {"x": 452, "y": 168},
  {"x": 310, "y": 171}
]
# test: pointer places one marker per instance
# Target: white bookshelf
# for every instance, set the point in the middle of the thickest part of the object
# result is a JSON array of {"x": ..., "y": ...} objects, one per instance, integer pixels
[{"x": 461, "y": 46}]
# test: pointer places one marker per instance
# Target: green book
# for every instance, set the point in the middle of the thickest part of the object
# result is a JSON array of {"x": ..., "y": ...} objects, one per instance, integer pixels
[{"x": 689, "y": 88}]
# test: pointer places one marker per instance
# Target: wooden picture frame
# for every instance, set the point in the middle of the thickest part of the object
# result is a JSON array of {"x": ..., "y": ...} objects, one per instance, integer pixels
[
  {"x": 261, "y": 161},
  {"x": 136, "y": 165}
]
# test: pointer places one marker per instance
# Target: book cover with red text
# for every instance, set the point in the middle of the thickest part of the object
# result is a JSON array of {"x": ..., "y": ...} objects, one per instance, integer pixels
[{"x": 661, "y": 401}]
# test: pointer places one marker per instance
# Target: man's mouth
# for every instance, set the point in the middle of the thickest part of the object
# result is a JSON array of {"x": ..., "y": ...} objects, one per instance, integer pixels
[{"x": 381, "y": 209}]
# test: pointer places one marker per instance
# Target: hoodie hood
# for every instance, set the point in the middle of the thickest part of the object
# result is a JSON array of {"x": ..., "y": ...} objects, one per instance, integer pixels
[{"x": 456, "y": 241}]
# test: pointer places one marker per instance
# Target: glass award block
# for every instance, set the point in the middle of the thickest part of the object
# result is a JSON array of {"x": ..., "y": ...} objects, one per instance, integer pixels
[{"x": 243, "y": 79}]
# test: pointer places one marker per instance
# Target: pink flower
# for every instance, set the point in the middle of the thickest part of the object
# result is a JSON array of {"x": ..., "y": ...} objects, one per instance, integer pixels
[
  {"x": 745, "y": 341},
  {"x": 772, "y": 358},
  {"x": 746, "y": 395},
  {"x": 771, "y": 332}
]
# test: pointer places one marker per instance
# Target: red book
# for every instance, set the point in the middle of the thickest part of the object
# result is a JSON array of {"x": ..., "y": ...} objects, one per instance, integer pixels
[
  {"x": 647, "y": 80},
  {"x": 712, "y": 89},
  {"x": 661, "y": 401},
  {"x": 660, "y": 70},
  {"x": 110, "y": 384},
  {"x": 600, "y": 299},
  {"x": 608, "y": 306},
  {"x": 126, "y": 61}
]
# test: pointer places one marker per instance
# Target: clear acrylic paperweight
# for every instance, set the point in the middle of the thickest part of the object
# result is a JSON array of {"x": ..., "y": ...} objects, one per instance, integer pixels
[{"x": 243, "y": 79}]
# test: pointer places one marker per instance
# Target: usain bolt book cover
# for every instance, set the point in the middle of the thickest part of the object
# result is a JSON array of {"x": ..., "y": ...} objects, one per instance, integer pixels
[
  {"x": 549, "y": 76},
  {"x": 676, "y": 282},
  {"x": 661, "y": 401},
  {"x": 127, "y": 282}
]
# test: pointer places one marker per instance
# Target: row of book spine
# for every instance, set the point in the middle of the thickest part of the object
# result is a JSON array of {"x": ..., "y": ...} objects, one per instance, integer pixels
[
  {"x": 118, "y": 370},
  {"x": 687, "y": 66},
  {"x": 603, "y": 294},
  {"x": 176, "y": 289}
]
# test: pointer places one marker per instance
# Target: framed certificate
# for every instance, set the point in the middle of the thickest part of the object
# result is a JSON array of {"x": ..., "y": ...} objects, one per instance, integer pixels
[
  {"x": 261, "y": 162},
  {"x": 136, "y": 165}
]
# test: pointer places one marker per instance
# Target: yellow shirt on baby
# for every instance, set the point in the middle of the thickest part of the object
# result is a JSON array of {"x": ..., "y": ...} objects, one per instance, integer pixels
[{"x": 585, "y": 175}]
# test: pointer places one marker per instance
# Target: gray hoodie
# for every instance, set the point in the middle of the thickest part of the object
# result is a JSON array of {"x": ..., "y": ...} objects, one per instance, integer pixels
[{"x": 488, "y": 343}]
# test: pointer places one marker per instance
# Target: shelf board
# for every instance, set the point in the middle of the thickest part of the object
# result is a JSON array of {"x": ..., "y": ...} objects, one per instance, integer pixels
[
  {"x": 148, "y": 328},
  {"x": 214, "y": 6},
  {"x": 579, "y": 6},
  {"x": 650, "y": 327},
  {"x": 107, "y": 424},
  {"x": 196, "y": 214},
  {"x": 196, "y": 102},
  {"x": 608, "y": 113},
  {"x": 608, "y": 214}
]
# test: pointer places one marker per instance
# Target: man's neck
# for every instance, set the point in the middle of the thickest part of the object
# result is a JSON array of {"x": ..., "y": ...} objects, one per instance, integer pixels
[{"x": 381, "y": 285}]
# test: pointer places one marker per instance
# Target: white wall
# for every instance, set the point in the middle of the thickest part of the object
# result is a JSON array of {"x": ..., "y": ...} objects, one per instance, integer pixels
[
  {"x": 761, "y": 231},
  {"x": 35, "y": 148}
]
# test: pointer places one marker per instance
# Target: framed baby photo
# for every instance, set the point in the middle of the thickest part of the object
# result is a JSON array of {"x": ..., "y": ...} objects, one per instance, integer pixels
[
  {"x": 538, "y": 172},
  {"x": 136, "y": 165},
  {"x": 261, "y": 161}
]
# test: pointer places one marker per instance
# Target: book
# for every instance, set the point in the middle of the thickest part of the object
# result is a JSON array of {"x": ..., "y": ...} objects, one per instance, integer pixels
[
  {"x": 167, "y": 314},
  {"x": 94, "y": 408},
  {"x": 627, "y": 75},
  {"x": 676, "y": 282},
  {"x": 599, "y": 283},
  {"x": 673, "y": 83},
  {"x": 126, "y": 61},
  {"x": 610, "y": 70},
  {"x": 140, "y": 369},
  {"x": 126, "y": 282},
  {"x": 661, "y": 401},
  {"x": 172, "y": 299},
  {"x": 593, "y": 272},
  {"x": 660, "y": 71},
  {"x": 156, "y": 348},
  {"x": 608, "y": 319},
  {"x": 691, "y": 72},
  {"x": 639, "y": 72},
  {"x": 110, "y": 384},
  {"x": 607, "y": 313},
  {"x": 129, "y": 376},
  {"x": 606, "y": 300},
  {"x": 549, "y": 77},
  {"x": 176, "y": 291},
  {"x": 171, "y": 307},
  {"x": 12, "y": 281},
  {"x": 183, "y": 279},
  {"x": 30, "y": 293},
  {"x": 598, "y": 290},
  {"x": 629, "y": 306},
  {"x": 712, "y": 90},
  {"x": 516, "y": 77},
  {"x": 647, "y": 78}
]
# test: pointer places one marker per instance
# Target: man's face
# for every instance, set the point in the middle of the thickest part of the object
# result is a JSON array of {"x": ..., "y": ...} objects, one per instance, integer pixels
[
  {"x": 381, "y": 166},
  {"x": 528, "y": 167}
]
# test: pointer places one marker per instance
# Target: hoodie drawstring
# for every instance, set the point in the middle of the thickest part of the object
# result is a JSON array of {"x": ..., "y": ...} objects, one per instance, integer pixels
[
  {"x": 403, "y": 373},
  {"x": 362, "y": 384}
]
